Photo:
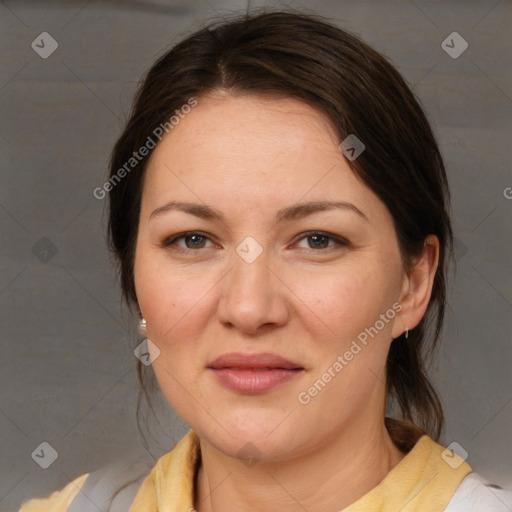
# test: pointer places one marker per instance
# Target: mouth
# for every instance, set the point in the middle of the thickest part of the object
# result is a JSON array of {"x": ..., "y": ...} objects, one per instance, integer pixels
[{"x": 253, "y": 373}]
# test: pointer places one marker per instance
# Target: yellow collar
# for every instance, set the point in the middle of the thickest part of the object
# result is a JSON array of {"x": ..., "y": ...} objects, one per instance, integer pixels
[{"x": 422, "y": 482}]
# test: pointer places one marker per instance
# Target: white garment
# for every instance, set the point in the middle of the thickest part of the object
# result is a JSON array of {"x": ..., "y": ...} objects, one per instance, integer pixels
[
  {"x": 472, "y": 495},
  {"x": 475, "y": 495}
]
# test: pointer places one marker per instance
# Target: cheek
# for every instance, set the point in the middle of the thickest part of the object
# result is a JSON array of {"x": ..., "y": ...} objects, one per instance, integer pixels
[
  {"x": 172, "y": 300},
  {"x": 348, "y": 300},
  {"x": 349, "y": 339},
  {"x": 175, "y": 305}
]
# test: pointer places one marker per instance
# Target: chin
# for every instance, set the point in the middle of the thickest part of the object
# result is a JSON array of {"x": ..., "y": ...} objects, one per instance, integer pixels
[{"x": 265, "y": 434}]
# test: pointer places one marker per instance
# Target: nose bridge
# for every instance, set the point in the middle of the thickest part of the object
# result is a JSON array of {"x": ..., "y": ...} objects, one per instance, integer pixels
[
  {"x": 251, "y": 276},
  {"x": 249, "y": 280},
  {"x": 250, "y": 297}
]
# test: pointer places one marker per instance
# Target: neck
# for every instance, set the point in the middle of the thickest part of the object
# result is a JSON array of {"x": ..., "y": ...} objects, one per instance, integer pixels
[{"x": 334, "y": 475}]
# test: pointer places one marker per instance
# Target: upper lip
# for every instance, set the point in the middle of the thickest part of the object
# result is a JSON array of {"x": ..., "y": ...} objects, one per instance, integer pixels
[{"x": 248, "y": 361}]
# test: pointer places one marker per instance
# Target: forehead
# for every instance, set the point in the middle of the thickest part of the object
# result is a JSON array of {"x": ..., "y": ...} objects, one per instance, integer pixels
[
  {"x": 256, "y": 150},
  {"x": 230, "y": 127}
]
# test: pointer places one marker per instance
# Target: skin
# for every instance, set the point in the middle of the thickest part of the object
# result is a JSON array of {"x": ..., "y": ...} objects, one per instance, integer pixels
[{"x": 248, "y": 157}]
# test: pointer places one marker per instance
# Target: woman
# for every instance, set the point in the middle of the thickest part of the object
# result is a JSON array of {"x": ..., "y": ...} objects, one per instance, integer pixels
[{"x": 279, "y": 210}]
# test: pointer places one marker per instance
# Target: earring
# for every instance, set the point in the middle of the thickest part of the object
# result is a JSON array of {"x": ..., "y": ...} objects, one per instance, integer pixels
[
  {"x": 407, "y": 334},
  {"x": 142, "y": 328}
]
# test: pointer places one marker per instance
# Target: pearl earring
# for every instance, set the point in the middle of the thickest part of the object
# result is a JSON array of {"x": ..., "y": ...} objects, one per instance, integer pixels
[
  {"x": 407, "y": 334},
  {"x": 142, "y": 328}
]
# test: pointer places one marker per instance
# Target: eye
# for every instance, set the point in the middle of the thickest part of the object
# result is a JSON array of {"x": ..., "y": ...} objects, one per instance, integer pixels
[
  {"x": 191, "y": 240},
  {"x": 319, "y": 240}
]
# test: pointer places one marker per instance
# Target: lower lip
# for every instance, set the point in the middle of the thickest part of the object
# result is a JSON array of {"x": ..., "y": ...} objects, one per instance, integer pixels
[{"x": 253, "y": 381}]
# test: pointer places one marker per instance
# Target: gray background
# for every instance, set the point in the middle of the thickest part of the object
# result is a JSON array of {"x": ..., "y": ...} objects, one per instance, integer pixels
[{"x": 67, "y": 372}]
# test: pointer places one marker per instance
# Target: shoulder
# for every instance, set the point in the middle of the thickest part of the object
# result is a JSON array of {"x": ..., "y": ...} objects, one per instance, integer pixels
[
  {"x": 475, "y": 495},
  {"x": 58, "y": 501},
  {"x": 109, "y": 489}
]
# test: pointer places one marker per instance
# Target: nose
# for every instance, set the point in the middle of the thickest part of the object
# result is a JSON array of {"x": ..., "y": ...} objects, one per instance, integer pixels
[{"x": 253, "y": 299}]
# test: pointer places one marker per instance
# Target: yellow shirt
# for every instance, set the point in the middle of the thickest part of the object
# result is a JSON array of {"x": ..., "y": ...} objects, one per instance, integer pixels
[{"x": 424, "y": 481}]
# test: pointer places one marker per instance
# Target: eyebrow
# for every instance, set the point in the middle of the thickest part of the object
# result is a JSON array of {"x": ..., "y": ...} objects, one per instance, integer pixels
[{"x": 298, "y": 211}]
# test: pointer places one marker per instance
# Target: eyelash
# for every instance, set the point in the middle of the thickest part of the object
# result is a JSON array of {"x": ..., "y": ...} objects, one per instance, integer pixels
[{"x": 338, "y": 241}]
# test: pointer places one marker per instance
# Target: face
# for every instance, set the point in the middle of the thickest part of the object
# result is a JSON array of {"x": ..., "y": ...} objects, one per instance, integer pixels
[{"x": 258, "y": 244}]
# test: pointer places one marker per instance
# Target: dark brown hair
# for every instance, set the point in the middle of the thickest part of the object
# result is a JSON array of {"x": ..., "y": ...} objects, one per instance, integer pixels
[{"x": 289, "y": 54}]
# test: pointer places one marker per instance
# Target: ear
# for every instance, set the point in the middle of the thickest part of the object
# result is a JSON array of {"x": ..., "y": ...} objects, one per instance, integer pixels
[{"x": 417, "y": 288}]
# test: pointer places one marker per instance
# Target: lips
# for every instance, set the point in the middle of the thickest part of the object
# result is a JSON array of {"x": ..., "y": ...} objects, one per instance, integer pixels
[
  {"x": 253, "y": 373},
  {"x": 263, "y": 361}
]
